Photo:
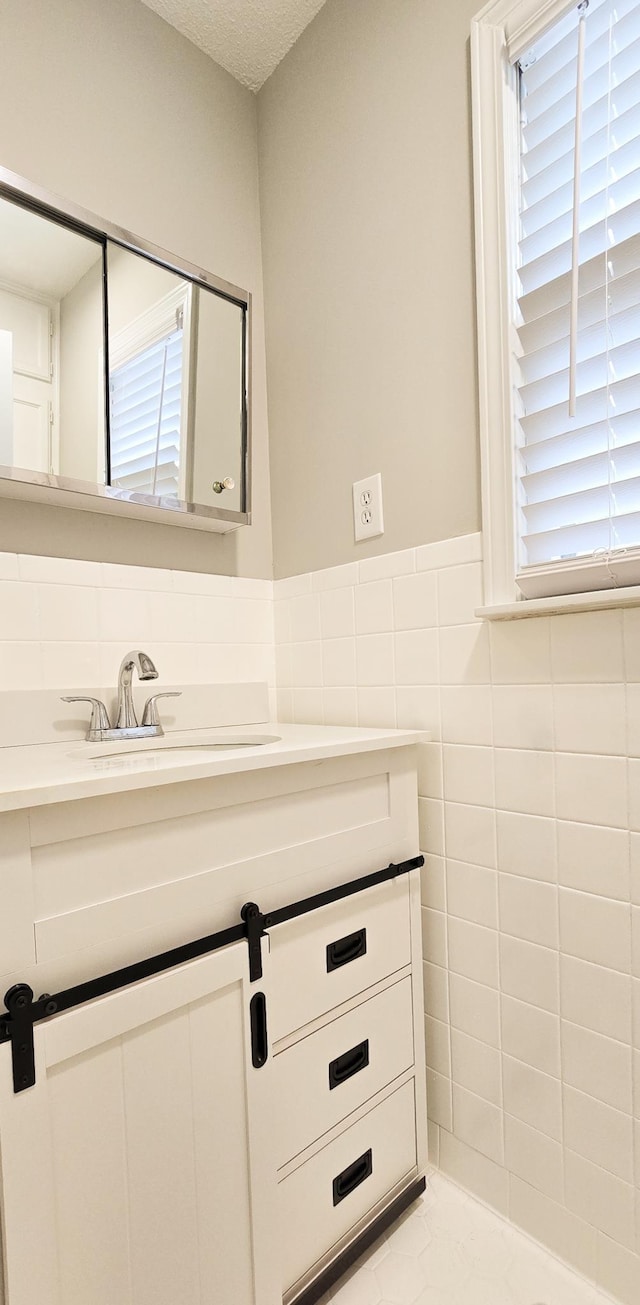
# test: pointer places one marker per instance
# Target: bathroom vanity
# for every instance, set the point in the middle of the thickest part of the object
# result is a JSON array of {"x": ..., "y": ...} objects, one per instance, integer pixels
[{"x": 231, "y": 1122}]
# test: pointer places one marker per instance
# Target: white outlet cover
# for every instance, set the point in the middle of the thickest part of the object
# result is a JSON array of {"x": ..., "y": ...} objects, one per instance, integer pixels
[{"x": 367, "y": 507}]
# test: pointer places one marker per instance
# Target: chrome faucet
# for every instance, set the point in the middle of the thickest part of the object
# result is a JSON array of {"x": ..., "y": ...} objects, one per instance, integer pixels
[
  {"x": 139, "y": 661},
  {"x": 126, "y": 726}
]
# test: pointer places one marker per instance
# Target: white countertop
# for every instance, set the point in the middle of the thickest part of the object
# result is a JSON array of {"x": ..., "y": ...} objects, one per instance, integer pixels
[{"x": 59, "y": 772}]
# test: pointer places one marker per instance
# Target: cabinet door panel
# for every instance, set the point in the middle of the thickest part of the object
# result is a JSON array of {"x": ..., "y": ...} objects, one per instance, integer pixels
[{"x": 142, "y": 1152}]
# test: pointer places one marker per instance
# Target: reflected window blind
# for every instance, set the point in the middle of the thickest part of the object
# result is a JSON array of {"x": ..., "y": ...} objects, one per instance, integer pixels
[
  {"x": 145, "y": 395},
  {"x": 579, "y": 476}
]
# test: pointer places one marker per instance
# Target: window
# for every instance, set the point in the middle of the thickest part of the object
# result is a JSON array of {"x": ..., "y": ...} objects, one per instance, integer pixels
[
  {"x": 148, "y": 397},
  {"x": 145, "y": 419},
  {"x": 557, "y": 156}
]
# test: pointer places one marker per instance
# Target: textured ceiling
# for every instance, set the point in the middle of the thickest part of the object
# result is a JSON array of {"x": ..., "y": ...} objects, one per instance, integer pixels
[{"x": 247, "y": 37}]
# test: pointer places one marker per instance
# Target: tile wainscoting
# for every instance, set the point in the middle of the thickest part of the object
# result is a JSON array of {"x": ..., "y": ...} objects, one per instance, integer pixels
[
  {"x": 65, "y": 624},
  {"x": 530, "y": 822}
]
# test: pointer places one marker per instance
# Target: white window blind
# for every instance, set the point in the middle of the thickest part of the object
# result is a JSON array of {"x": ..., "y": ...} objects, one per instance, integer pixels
[
  {"x": 579, "y": 475},
  {"x": 146, "y": 396}
]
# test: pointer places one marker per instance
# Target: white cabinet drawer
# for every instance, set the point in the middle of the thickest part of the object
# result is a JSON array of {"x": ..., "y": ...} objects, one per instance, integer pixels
[
  {"x": 324, "y": 1077},
  {"x": 331, "y": 955},
  {"x": 325, "y": 1197}
]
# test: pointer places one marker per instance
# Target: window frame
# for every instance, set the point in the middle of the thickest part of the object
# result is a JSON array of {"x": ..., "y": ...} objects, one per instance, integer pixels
[{"x": 500, "y": 34}]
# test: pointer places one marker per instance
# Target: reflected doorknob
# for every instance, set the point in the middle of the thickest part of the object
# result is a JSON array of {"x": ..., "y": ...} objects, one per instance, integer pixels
[{"x": 227, "y": 483}]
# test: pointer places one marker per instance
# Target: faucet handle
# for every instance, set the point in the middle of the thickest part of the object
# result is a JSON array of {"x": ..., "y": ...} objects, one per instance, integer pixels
[
  {"x": 99, "y": 717},
  {"x": 150, "y": 714}
]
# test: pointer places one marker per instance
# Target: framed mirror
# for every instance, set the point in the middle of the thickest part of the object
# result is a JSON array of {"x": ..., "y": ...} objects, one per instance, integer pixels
[{"x": 124, "y": 373}]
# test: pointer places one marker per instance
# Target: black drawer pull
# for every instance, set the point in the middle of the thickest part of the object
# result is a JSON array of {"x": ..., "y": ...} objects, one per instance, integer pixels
[
  {"x": 258, "y": 1022},
  {"x": 346, "y": 949},
  {"x": 348, "y": 1064},
  {"x": 352, "y": 1177}
]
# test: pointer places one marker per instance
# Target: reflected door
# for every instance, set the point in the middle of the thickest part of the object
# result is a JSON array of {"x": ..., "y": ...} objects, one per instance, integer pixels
[{"x": 33, "y": 383}]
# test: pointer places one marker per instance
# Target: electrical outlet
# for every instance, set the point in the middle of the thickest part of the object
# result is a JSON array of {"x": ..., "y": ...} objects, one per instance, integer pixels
[{"x": 367, "y": 507}]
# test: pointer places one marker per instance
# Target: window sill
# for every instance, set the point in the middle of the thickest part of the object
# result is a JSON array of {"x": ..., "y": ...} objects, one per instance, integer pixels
[{"x": 597, "y": 601}]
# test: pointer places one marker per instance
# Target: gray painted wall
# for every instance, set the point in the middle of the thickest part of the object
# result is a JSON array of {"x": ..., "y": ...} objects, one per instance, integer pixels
[
  {"x": 365, "y": 170},
  {"x": 108, "y": 106}
]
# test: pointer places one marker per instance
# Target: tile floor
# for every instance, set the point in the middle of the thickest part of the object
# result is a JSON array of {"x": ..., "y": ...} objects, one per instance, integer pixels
[{"x": 451, "y": 1250}]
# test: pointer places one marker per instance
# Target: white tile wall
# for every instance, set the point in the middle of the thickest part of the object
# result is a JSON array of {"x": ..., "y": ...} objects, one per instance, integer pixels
[
  {"x": 65, "y": 624},
  {"x": 530, "y": 822}
]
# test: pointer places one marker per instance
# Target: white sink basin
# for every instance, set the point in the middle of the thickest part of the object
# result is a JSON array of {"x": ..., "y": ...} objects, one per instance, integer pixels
[{"x": 151, "y": 748}]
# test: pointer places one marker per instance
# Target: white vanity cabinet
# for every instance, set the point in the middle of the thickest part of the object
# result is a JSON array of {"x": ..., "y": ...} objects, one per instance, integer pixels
[{"x": 156, "y": 1160}]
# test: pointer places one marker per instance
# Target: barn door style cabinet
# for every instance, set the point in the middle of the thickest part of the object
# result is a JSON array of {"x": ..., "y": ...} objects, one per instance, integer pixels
[{"x": 211, "y": 1116}]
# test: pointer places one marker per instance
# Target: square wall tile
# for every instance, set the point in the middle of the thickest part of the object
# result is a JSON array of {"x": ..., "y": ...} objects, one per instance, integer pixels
[
  {"x": 436, "y": 992},
  {"x": 596, "y": 929},
  {"x": 433, "y": 890},
  {"x": 459, "y": 593},
  {"x": 473, "y": 951},
  {"x": 531, "y": 1035},
  {"x": 525, "y": 782},
  {"x": 594, "y": 859},
  {"x": 590, "y": 718},
  {"x": 597, "y": 1066},
  {"x": 418, "y": 708},
  {"x": 474, "y": 1009},
  {"x": 22, "y": 665},
  {"x": 340, "y": 706},
  {"x": 591, "y": 790},
  {"x": 431, "y": 823},
  {"x": 430, "y": 770},
  {"x": 533, "y": 1157},
  {"x": 587, "y": 647},
  {"x": 338, "y": 662},
  {"x": 569, "y": 1238},
  {"x": 600, "y": 1198},
  {"x": 374, "y": 660},
  {"x": 476, "y": 1066},
  {"x": 19, "y": 607},
  {"x": 415, "y": 601},
  {"x": 529, "y": 909},
  {"x": 434, "y": 936},
  {"x": 468, "y": 775},
  {"x": 337, "y": 613},
  {"x": 523, "y": 716},
  {"x": 374, "y": 607},
  {"x": 377, "y": 708},
  {"x": 631, "y": 634},
  {"x": 618, "y": 1271},
  {"x": 478, "y": 1123},
  {"x": 598, "y": 1133},
  {"x": 533, "y": 1097},
  {"x": 416, "y": 657},
  {"x": 470, "y": 833},
  {"x": 466, "y": 714},
  {"x": 464, "y": 654},
  {"x": 438, "y": 1046},
  {"x": 527, "y": 845},
  {"x": 520, "y": 652},
  {"x": 472, "y": 893},
  {"x": 474, "y": 1172},
  {"x": 596, "y": 998},
  {"x": 529, "y": 973},
  {"x": 439, "y": 1104}
]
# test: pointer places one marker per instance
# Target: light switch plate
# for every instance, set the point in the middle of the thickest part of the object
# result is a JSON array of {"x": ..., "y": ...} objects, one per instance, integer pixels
[{"x": 367, "y": 507}]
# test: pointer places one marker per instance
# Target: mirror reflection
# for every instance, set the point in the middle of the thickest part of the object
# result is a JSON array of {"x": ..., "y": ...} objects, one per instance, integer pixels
[
  {"x": 156, "y": 413},
  {"x": 175, "y": 384},
  {"x": 52, "y": 408}
]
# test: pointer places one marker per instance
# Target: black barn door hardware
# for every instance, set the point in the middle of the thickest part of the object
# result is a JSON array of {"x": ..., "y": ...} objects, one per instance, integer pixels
[{"x": 22, "y": 1012}]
